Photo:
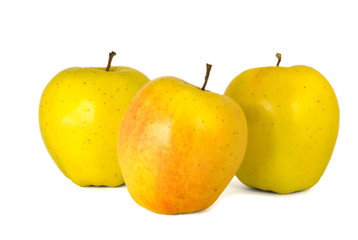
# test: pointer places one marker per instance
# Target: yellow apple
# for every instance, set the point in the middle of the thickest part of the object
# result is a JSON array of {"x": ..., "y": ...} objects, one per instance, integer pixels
[
  {"x": 292, "y": 117},
  {"x": 80, "y": 113},
  {"x": 179, "y": 145}
]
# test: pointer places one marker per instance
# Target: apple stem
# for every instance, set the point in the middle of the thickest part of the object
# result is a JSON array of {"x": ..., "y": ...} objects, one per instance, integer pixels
[
  {"x": 208, "y": 69},
  {"x": 278, "y": 55},
  {"x": 111, "y": 55}
]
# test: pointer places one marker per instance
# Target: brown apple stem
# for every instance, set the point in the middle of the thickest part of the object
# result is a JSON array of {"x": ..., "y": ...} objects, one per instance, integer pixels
[
  {"x": 111, "y": 55},
  {"x": 278, "y": 55},
  {"x": 208, "y": 69}
]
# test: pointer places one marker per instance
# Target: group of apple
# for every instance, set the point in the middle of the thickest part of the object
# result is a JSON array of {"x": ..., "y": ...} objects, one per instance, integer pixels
[{"x": 177, "y": 146}]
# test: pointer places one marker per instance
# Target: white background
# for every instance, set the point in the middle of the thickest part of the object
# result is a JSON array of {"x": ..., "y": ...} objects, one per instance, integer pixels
[{"x": 40, "y": 38}]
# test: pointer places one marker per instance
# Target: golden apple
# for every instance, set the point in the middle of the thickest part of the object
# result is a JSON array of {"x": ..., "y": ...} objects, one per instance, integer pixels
[
  {"x": 292, "y": 117},
  {"x": 180, "y": 146},
  {"x": 80, "y": 113}
]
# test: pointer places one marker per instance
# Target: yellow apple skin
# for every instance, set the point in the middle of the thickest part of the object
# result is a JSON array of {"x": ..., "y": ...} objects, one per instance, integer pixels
[
  {"x": 80, "y": 114},
  {"x": 180, "y": 146},
  {"x": 292, "y": 116}
]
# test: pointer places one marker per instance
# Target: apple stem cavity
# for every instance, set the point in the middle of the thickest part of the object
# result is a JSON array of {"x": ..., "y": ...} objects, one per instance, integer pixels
[
  {"x": 278, "y": 55},
  {"x": 208, "y": 69},
  {"x": 111, "y": 55}
]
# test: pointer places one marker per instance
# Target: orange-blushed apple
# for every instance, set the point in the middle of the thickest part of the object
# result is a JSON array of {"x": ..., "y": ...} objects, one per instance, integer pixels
[{"x": 180, "y": 145}]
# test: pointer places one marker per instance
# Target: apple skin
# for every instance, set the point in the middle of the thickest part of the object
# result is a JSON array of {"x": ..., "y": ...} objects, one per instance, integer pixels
[
  {"x": 180, "y": 146},
  {"x": 80, "y": 114},
  {"x": 293, "y": 117}
]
